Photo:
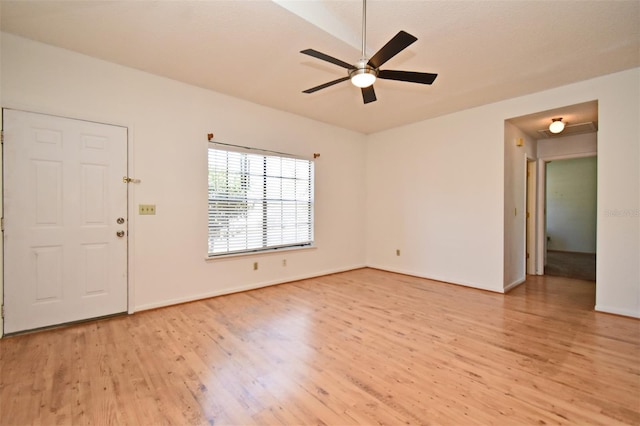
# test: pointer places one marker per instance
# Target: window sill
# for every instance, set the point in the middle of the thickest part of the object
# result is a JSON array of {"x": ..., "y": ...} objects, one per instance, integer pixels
[{"x": 259, "y": 253}]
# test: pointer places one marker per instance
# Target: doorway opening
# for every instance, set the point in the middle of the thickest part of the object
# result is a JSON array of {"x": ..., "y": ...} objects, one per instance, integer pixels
[
  {"x": 529, "y": 136},
  {"x": 571, "y": 212}
]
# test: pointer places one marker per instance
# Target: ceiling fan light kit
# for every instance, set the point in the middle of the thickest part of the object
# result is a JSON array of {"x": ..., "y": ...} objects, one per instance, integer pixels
[
  {"x": 366, "y": 71},
  {"x": 363, "y": 76}
]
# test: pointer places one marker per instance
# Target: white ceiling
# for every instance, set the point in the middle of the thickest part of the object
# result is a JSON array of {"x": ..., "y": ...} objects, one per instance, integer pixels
[{"x": 483, "y": 51}]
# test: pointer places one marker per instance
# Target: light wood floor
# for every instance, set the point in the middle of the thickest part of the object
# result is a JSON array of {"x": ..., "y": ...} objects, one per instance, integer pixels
[{"x": 361, "y": 347}]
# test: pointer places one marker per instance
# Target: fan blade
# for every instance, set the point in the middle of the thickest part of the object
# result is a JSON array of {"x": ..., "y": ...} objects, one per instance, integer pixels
[
  {"x": 396, "y": 45},
  {"x": 368, "y": 94},
  {"x": 327, "y": 58},
  {"x": 410, "y": 76},
  {"x": 322, "y": 86}
]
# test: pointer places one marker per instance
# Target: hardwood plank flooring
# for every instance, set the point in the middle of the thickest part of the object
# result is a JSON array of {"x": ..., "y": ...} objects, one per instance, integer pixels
[{"x": 360, "y": 347}]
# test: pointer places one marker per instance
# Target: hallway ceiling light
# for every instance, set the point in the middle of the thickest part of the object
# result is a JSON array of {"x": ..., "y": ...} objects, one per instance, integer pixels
[{"x": 556, "y": 125}]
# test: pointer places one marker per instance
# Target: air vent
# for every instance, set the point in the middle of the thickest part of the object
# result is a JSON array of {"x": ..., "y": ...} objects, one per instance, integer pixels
[{"x": 570, "y": 129}]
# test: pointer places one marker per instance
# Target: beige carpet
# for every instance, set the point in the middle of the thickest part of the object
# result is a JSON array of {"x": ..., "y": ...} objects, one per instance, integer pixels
[{"x": 570, "y": 264}]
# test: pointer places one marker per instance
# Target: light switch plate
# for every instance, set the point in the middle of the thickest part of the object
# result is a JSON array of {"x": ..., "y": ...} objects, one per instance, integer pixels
[{"x": 148, "y": 209}]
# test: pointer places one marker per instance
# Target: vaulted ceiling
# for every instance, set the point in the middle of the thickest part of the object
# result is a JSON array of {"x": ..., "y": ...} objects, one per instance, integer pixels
[{"x": 482, "y": 51}]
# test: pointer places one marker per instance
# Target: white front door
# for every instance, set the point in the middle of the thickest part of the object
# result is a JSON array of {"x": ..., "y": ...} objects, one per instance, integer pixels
[{"x": 65, "y": 220}]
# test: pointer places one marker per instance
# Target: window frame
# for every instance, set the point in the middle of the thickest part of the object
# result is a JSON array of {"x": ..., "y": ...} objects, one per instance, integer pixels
[{"x": 300, "y": 243}]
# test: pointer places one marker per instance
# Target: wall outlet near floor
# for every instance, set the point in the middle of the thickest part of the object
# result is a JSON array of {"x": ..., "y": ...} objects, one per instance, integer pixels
[
  {"x": 284, "y": 262},
  {"x": 255, "y": 266},
  {"x": 148, "y": 209},
  {"x": 397, "y": 252}
]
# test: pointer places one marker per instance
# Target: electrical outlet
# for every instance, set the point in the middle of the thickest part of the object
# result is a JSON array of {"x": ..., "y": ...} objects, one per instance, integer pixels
[
  {"x": 397, "y": 252},
  {"x": 255, "y": 266},
  {"x": 284, "y": 262},
  {"x": 147, "y": 209}
]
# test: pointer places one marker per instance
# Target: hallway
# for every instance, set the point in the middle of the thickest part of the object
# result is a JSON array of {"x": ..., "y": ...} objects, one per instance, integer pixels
[{"x": 580, "y": 266}]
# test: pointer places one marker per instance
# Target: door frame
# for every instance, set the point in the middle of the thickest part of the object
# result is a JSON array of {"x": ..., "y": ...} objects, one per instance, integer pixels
[
  {"x": 130, "y": 194},
  {"x": 541, "y": 219},
  {"x": 531, "y": 216}
]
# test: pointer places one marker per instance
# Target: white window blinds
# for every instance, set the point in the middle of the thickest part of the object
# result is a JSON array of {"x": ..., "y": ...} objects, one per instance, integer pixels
[{"x": 258, "y": 202}]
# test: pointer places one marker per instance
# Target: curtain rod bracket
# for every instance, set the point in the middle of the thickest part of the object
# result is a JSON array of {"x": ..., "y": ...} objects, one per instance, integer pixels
[{"x": 209, "y": 136}]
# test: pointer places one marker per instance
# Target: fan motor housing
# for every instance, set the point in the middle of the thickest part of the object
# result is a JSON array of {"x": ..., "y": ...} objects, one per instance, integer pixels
[{"x": 363, "y": 68}]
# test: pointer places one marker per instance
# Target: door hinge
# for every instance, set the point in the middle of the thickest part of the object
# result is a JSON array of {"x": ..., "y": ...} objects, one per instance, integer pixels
[
  {"x": 2, "y": 224},
  {"x": 2, "y": 311},
  {"x": 1, "y": 136}
]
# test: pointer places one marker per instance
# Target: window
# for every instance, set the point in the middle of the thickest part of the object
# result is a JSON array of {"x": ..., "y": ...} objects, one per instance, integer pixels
[{"x": 258, "y": 202}]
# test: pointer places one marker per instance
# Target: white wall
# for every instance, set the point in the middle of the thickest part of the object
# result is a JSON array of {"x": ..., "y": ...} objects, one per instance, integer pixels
[
  {"x": 436, "y": 189},
  {"x": 618, "y": 268},
  {"x": 1, "y": 210},
  {"x": 432, "y": 193},
  {"x": 515, "y": 203},
  {"x": 571, "y": 204},
  {"x": 572, "y": 146},
  {"x": 168, "y": 122}
]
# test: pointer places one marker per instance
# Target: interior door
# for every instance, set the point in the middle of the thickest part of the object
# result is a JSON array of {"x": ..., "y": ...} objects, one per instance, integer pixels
[{"x": 65, "y": 220}]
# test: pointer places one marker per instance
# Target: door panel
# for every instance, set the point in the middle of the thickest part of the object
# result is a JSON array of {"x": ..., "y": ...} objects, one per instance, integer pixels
[{"x": 63, "y": 192}]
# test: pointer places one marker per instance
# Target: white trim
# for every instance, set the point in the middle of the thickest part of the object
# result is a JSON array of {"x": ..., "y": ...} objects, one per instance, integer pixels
[
  {"x": 541, "y": 219},
  {"x": 242, "y": 288},
  {"x": 525, "y": 211},
  {"x": 1, "y": 233},
  {"x": 436, "y": 278},
  {"x": 531, "y": 203},
  {"x": 515, "y": 284},
  {"x": 569, "y": 156},
  {"x": 542, "y": 200},
  {"x": 131, "y": 225},
  {"x": 542, "y": 203},
  {"x": 618, "y": 311},
  {"x": 268, "y": 251}
]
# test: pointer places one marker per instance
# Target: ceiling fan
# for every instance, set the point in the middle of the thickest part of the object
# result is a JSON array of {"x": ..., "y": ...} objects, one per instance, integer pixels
[{"x": 364, "y": 73}]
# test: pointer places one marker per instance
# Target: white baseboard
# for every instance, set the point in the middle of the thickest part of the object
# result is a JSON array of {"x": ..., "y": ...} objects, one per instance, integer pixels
[
  {"x": 253, "y": 286},
  {"x": 618, "y": 311},
  {"x": 514, "y": 284},
  {"x": 436, "y": 278},
  {"x": 238, "y": 289}
]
